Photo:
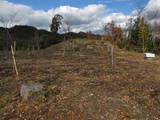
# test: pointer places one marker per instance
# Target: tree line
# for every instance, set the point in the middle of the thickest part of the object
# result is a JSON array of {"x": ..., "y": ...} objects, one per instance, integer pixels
[
  {"x": 139, "y": 36},
  {"x": 30, "y": 38}
]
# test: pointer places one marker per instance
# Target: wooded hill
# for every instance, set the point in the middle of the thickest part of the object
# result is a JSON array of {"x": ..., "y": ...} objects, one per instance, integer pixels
[{"x": 30, "y": 38}]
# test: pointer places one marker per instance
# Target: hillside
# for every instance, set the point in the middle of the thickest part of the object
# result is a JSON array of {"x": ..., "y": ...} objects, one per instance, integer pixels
[
  {"x": 31, "y": 38},
  {"x": 85, "y": 84}
]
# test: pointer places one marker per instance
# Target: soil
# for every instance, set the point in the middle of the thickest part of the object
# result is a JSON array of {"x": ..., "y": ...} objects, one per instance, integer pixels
[{"x": 86, "y": 86}]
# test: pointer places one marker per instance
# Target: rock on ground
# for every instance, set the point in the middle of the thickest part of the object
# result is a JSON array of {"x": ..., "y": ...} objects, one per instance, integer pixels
[{"x": 30, "y": 89}]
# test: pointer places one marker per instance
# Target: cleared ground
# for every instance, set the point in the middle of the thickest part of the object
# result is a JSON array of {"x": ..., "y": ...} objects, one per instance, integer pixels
[{"x": 86, "y": 85}]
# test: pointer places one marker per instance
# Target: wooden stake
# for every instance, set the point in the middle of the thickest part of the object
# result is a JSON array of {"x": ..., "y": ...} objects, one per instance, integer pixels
[
  {"x": 14, "y": 62},
  {"x": 13, "y": 52}
]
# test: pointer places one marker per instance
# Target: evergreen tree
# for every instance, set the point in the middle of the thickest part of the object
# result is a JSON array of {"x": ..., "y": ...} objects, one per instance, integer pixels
[
  {"x": 56, "y": 22},
  {"x": 140, "y": 36}
]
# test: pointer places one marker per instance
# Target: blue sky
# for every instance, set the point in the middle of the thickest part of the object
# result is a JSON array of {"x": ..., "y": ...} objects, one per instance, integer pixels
[{"x": 125, "y": 6}]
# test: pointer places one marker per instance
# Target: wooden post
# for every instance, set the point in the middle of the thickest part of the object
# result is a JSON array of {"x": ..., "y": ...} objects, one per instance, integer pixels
[{"x": 14, "y": 61}]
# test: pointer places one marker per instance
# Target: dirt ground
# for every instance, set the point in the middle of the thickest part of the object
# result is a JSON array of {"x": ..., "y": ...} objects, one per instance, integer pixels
[{"x": 86, "y": 85}]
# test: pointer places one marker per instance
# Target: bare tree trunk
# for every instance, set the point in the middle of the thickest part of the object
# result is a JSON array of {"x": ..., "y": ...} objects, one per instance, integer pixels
[
  {"x": 14, "y": 62},
  {"x": 36, "y": 40},
  {"x": 143, "y": 46},
  {"x": 64, "y": 49},
  {"x": 13, "y": 51},
  {"x": 112, "y": 56},
  {"x": 14, "y": 45}
]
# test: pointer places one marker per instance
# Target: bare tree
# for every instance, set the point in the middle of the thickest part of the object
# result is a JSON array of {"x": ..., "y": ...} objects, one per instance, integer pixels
[
  {"x": 115, "y": 35},
  {"x": 66, "y": 26},
  {"x": 36, "y": 40},
  {"x": 8, "y": 23}
]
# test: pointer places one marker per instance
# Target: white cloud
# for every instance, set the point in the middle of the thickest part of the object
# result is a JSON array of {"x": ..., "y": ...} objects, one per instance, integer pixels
[
  {"x": 152, "y": 11},
  {"x": 135, "y": 12},
  {"x": 89, "y": 18},
  {"x": 78, "y": 16},
  {"x": 21, "y": 14}
]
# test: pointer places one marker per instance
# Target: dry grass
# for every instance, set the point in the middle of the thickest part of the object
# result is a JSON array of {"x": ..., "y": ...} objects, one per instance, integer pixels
[{"x": 85, "y": 85}]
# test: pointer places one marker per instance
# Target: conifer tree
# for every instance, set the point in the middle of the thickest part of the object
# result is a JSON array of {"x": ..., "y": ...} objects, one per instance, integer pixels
[{"x": 140, "y": 36}]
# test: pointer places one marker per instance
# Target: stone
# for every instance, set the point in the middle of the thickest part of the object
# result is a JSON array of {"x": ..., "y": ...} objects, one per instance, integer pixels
[{"x": 32, "y": 90}]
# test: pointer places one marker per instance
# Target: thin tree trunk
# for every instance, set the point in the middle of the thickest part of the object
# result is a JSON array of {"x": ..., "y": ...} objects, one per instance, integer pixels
[
  {"x": 14, "y": 61},
  {"x": 14, "y": 47},
  {"x": 112, "y": 57},
  {"x": 13, "y": 51},
  {"x": 64, "y": 49}
]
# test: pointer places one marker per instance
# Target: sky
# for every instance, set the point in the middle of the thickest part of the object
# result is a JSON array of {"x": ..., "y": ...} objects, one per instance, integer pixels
[
  {"x": 125, "y": 6},
  {"x": 82, "y": 15}
]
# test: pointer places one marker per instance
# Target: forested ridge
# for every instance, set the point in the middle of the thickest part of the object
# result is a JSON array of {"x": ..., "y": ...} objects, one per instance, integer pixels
[{"x": 30, "y": 38}]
